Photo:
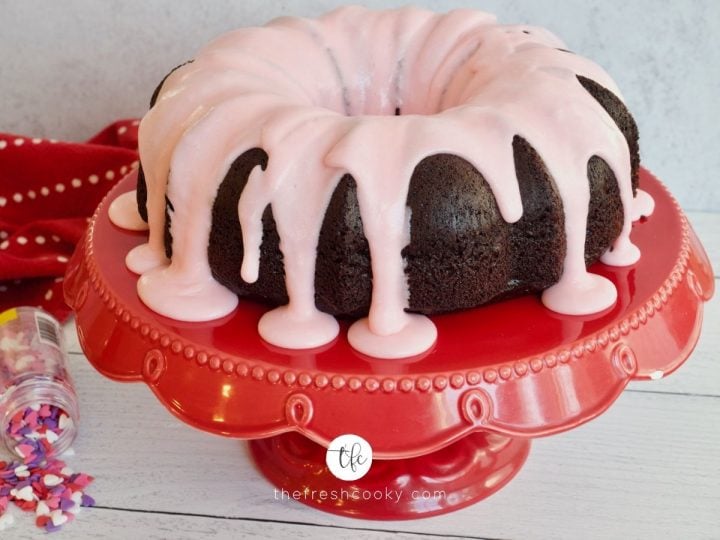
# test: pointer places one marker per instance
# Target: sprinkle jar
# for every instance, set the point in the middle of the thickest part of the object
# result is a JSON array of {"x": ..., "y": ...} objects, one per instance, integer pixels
[{"x": 36, "y": 390}]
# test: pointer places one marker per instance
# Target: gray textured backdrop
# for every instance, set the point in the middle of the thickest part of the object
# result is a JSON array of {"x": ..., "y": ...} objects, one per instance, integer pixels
[{"x": 67, "y": 68}]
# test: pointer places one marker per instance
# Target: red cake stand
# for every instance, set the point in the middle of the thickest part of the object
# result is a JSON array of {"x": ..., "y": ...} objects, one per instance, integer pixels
[{"x": 447, "y": 428}]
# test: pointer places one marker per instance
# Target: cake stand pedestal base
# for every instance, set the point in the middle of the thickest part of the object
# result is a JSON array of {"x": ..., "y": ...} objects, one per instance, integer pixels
[{"x": 442, "y": 481}]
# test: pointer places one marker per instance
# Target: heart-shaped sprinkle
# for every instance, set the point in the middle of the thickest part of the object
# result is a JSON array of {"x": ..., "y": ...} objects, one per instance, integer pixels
[{"x": 39, "y": 482}]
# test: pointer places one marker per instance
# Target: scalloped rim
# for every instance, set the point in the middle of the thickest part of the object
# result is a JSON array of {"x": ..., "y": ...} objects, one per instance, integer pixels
[{"x": 478, "y": 399}]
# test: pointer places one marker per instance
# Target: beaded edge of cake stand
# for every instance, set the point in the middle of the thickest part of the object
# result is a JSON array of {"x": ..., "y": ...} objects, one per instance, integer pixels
[{"x": 622, "y": 355}]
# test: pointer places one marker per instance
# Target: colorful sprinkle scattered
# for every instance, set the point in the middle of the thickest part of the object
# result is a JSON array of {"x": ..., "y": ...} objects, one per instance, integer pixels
[{"x": 39, "y": 482}]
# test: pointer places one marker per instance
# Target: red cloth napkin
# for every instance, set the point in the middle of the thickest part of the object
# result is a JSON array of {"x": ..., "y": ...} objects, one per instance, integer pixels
[{"x": 48, "y": 191}]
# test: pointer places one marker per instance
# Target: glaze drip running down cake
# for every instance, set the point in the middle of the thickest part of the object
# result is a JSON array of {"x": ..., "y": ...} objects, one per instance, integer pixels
[{"x": 383, "y": 166}]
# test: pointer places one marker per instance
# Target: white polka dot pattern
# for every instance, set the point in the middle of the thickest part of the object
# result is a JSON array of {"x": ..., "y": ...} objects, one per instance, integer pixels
[{"x": 48, "y": 180}]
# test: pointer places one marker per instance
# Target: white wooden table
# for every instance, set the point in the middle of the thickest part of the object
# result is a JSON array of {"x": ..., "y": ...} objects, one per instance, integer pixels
[{"x": 647, "y": 468}]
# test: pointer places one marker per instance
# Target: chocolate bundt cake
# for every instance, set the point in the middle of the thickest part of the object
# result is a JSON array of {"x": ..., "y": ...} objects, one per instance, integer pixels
[{"x": 385, "y": 166}]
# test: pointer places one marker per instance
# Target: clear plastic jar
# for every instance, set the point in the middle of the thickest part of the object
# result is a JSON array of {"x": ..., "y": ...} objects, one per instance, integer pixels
[{"x": 33, "y": 372}]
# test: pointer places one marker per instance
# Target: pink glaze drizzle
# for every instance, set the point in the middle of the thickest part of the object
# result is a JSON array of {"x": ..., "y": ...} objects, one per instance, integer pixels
[
  {"x": 123, "y": 212},
  {"x": 643, "y": 205},
  {"x": 327, "y": 90}
]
